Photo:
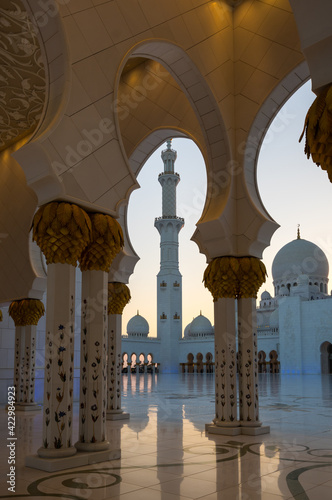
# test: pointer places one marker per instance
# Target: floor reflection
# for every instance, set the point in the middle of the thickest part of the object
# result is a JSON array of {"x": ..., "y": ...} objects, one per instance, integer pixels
[{"x": 167, "y": 455}]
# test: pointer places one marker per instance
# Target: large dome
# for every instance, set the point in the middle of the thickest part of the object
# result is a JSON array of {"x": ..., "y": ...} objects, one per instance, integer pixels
[
  {"x": 137, "y": 325},
  {"x": 300, "y": 257},
  {"x": 201, "y": 325}
]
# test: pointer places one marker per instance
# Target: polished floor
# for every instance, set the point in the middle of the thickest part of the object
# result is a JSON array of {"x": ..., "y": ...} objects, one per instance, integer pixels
[{"x": 166, "y": 454}]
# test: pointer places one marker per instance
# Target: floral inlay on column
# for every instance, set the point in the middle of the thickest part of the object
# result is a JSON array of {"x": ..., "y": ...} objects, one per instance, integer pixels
[
  {"x": 62, "y": 231},
  {"x": 26, "y": 314},
  {"x": 95, "y": 261},
  {"x": 118, "y": 298}
]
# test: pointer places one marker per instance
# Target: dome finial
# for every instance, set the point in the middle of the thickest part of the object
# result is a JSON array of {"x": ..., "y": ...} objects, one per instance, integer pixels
[
  {"x": 298, "y": 232},
  {"x": 169, "y": 144},
  {"x": 137, "y": 312}
]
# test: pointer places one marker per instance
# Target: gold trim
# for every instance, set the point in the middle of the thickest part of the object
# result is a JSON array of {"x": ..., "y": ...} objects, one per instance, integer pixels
[
  {"x": 26, "y": 312},
  {"x": 61, "y": 230},
  {"x": 317, "y": 130},
  {"x": 234, "y": 277},
  {"x": 107, "y": 241},
  {"x": 118, "y": 297}
]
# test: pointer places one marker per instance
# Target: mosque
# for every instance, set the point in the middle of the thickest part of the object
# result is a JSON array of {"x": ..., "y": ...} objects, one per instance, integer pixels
[
  {"x": 89, "y": 89},
  {"x": 294, "y": 328}
]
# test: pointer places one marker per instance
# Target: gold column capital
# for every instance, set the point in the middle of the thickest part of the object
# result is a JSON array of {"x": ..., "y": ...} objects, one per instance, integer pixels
[
  {"x": 234, "y": 277},
  {"x": 318, "y": 131},
  {"x": 26, "y": 312},
  {"x": 107, "y": 241},
  {"x": 62, "y": 230},
  {"x": 118, "y": 297}
]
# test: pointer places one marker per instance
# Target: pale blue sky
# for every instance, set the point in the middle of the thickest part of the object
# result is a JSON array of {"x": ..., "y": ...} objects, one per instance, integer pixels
[{"x": 294, "y": 191}]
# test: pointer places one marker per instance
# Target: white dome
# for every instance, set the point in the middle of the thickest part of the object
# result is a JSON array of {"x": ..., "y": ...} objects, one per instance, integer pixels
[
  {"x": 201, "y": 324},
  {"x": 265, "y": 295},
  {"x": 299, "y": 257},
  {"x": 137, "y": 324},
  {"x": 186, "y": 332}
]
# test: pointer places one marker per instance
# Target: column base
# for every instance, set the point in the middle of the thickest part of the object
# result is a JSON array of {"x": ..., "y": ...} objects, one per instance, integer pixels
[
  {"x": 56, "y": 452},
  {"x": 79, "y": 459},
  {"x": 116, "y": 415},
  {"x": 92, "y": 447},
  {"x": 227, "y": 430},
  {"x": 27, "y": 407},
  {"x": 255, "y": 430}
]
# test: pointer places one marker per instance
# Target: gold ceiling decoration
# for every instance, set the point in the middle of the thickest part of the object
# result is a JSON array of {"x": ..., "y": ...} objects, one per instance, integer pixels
[{"x": 22, "y": 74}]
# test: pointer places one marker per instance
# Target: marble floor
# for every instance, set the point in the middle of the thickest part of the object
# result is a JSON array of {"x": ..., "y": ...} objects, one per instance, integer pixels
[{"x": 166, "y": 454}]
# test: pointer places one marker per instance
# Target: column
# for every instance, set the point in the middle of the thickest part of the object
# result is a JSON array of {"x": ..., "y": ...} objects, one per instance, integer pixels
[
  {"x": 251, "y": 276},
  {"x": 230, "y": 278},
  {"x": 119, "y": 296},
  {"x": 62, "y": 231},
  {"x": 225, "y": 366},
  {"x": 247, "y": 359},
  {"x": 220, "y": 279},
  {"x": 95, "y": 261},
  {"x": 26, "y": 314}
]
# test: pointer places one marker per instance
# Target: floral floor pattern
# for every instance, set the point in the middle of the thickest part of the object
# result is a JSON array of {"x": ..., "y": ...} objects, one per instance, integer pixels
[{"x": 166, "y": 454}]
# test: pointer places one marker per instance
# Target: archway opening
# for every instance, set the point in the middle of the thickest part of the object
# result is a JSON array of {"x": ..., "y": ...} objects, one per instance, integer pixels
[{"x": 144, "y": 205}]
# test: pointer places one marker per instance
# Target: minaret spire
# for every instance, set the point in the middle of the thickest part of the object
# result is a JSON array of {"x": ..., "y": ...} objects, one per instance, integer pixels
[{"x": 169, "y": 279}]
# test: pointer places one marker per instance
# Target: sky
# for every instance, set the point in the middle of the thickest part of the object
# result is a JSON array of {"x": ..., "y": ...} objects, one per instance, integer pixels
[{"x": 293, "y": 190}]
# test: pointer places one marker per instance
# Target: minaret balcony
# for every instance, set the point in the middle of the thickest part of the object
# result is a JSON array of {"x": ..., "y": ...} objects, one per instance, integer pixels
[
  {"x": 163, "y": 284},
  {"x": 176, "y": 316},
  {"x": 176, "y": 284},
  {"x": 169, "y": 217},
  {"x": 163, "y": 316},
  {"x": 169, "y": 172}
]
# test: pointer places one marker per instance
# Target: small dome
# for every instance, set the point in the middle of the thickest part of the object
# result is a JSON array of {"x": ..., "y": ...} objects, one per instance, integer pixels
[
  {"x": 299, "y": 257},
  {"x": 137, "y": 324},
  {"x": 284, "y": 291},
  {"x": 265, "y": 295},
  {"x": 201, "y": 324},
  {"x": 186, "y": 332}
]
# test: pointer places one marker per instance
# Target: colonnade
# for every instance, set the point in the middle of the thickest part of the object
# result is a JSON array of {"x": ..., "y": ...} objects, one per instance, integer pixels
[{"x": 67, "y": 235}]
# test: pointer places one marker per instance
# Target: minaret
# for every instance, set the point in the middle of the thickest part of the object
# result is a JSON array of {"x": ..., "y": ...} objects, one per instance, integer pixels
[{"x": 169, "y": 279}]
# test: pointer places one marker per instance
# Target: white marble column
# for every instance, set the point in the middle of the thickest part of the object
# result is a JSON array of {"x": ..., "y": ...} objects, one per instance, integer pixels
[
  {"x": 59, "y": 358},
  {"x": 27, "y": 369},
  {"x": 29, "y": 364},
  {"x": 92, "y": 413},
  {"x": 18, "y": 363},
  {"x": 226, "y": 419},
  {"x": 26, "y": 314},
  {"x": 114, "y": 369},
  {"x": 248, "y": 368}
]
